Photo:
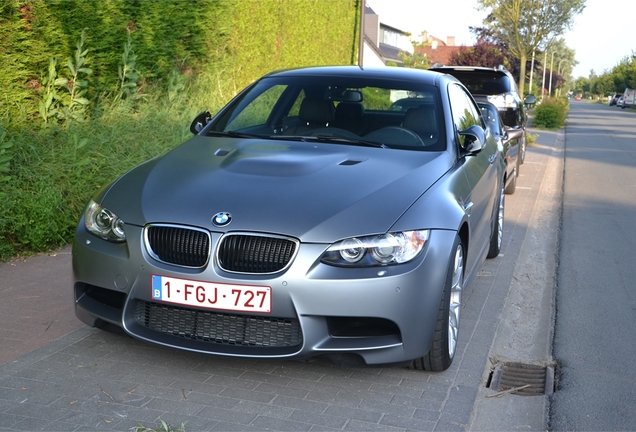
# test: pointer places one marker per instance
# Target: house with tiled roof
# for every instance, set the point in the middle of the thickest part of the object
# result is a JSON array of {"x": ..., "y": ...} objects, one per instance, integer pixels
[
  {"x": 438, "y": 50},
  {"x": 382, "y": 42}
]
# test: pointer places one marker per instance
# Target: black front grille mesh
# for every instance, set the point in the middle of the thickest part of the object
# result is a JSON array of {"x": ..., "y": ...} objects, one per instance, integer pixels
[
  {"x": 219, "y": 328},
  {"x": 239, "y": 253},
  {"x": 255, "y": 254},
  {"x": 180, "y": 246}
]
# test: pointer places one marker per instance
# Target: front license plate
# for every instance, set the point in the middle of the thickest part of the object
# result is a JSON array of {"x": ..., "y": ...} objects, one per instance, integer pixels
[{"x": 212, "y": 295}]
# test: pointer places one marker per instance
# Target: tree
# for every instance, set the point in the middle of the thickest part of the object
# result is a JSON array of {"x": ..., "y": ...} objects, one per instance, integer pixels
[
  {"x": 527, "y": 25},
  {"x": 560, "y": 60},
  {"x": 624, "y": 74},
  {"x": 603, "y": 85},
  {"x": 417, "y": 60},
  {"x": 582, "y": 85},
  {"x": 484, "y": 53}
]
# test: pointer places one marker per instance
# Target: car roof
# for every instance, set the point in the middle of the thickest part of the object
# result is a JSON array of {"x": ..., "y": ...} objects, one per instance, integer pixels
[{"x": 392, "y": 73}]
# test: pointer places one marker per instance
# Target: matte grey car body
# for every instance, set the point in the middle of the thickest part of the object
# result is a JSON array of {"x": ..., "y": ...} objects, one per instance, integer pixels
[{"x": 305, "y": 218}]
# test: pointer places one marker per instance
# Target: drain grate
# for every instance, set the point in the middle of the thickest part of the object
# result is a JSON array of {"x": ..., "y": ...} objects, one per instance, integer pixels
[{"x": 535, "y": 379}]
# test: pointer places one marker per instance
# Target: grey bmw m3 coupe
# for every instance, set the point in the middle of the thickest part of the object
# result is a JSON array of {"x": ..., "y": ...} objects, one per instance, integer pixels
[{"x": 306, "y": 218}]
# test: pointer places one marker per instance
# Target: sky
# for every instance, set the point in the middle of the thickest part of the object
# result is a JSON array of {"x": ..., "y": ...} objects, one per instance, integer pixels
[{"x": 599, "y": 43}]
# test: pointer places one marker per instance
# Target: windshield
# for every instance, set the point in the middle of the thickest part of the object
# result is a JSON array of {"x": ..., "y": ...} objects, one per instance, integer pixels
[
  {"x": 483, "y": 83},
  {"x": 339, "y": 110}
]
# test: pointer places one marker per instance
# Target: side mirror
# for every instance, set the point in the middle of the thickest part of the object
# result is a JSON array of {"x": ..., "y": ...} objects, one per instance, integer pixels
[
  {"x": 200, "y": 121},
  {"x": 530, "y": 99},
  {"x": 512, "y": 134},
  {"x": 474, "y": 139}
]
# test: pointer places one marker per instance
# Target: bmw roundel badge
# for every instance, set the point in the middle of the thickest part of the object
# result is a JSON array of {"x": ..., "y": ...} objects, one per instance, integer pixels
[{"x": 222, "y": 219}]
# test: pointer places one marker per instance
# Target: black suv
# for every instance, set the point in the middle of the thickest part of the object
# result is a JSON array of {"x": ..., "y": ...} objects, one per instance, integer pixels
[{"x": 497, "y": 86}]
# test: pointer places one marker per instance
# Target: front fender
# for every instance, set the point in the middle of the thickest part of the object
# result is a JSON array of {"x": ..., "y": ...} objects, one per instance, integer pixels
[{"x": 444, "y": 206}]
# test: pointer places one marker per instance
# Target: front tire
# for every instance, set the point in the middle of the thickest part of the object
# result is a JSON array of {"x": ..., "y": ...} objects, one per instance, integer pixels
[
  {"x": 442, "y": 351},
  {"x": 496, "y": 236},
  {"x": 512, "y": 186}
]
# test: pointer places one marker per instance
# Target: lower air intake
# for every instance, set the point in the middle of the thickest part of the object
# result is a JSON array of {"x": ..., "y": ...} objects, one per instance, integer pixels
[{"x": 219, "y": 328}]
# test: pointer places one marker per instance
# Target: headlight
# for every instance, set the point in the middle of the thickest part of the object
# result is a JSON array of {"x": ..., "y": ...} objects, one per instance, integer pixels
[
  {"x": 104, "y": 223},
  {"x": 385, "y": 249}
]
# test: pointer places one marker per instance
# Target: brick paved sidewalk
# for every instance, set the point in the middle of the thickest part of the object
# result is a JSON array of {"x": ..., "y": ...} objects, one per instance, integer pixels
[{"x": 36, "y": 305}]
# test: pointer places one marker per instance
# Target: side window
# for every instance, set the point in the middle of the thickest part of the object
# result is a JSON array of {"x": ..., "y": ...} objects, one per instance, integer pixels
[
  {"x": 490, "y": 116},
  {"x": 464, "y": 111},
  {"x": 376, "y": 98},
  {"x": 295, "y": 109},
  {"x": 257, "y": 110}
]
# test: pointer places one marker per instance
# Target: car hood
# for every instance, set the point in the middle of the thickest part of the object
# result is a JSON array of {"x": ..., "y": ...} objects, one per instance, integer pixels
[{"x": 316, "y": 192}]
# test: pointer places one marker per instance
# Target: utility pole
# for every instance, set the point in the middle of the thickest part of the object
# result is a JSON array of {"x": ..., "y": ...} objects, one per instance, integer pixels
[
  {"x": 545, "y": 60},
  {"x": 531, "y": 70},
  {"x": 551, "y": 66}
]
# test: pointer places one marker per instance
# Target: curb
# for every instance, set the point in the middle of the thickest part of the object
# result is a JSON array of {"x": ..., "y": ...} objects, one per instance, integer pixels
[{"x": 525, "y": 332}]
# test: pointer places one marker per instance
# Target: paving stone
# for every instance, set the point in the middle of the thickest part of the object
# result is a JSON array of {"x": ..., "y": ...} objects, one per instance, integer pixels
[
  {"x": 319, "y": 419},
  {"x": 300, "y": 404},
  {"x": 271, "y": 423},
  {"x": 354, "y": 413}
]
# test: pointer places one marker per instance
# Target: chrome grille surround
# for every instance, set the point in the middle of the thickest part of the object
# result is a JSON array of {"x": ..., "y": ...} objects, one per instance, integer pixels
[
  {"x": 255, "y": 253},
  {"x": 178, "y": 245},
  {"x": 219, "y": 328}
]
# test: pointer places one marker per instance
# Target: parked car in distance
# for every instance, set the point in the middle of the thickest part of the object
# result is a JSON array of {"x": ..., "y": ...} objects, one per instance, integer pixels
[
  {"x": 614, "y": 99},
  {"x": 306, "y": 218},
  {"x": 498, "y": 87},
  {"x": 629, "y": 98},
  {"x": 508, "y": 139},
  {"x": 620, "y": 102}
]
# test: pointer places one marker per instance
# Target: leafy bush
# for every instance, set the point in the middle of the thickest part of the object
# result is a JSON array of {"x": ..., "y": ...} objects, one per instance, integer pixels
[{"x": 551, "y": 113}]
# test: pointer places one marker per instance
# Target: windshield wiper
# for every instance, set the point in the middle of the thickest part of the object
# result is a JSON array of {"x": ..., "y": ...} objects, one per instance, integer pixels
[
  {"x": 341, "y": 140},
  {"x": 234, "y": 134},
  {"x": 304, "y": 138}
]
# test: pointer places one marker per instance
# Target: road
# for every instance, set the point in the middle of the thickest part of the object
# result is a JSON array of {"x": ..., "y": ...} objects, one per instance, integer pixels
[
  {"x": 56, "y": 374},
  {"x": 595, "y": 327}
]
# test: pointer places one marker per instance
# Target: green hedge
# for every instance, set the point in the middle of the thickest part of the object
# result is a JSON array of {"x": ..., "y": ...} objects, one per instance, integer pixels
[
  {"x": 173, "y": 58},
  {"x": 239, "y": 39}
]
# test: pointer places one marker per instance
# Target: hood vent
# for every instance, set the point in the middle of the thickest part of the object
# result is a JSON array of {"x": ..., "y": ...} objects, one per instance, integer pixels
[{"x": 350, "y": 162}]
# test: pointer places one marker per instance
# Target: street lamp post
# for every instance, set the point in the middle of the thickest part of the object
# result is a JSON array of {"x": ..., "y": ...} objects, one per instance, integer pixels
[
  {"x": 545, "y": 60},
  {"x": 531, "y": 70},
  {"x": 559, "y": 72},
  {"x": 551, "y": 66}
]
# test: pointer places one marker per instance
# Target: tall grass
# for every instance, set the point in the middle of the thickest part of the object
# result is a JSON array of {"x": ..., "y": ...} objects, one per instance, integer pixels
[{"x": 51, "y": 172}]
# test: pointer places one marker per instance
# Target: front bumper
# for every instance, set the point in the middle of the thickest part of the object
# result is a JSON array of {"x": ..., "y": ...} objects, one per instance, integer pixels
[{"x": 381, "y": 314}]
